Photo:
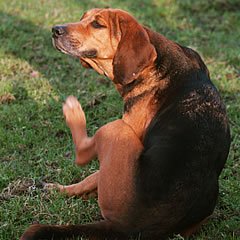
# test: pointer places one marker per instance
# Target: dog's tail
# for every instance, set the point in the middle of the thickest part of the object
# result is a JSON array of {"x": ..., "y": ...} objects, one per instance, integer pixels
[{"x": 94, "y": 231}]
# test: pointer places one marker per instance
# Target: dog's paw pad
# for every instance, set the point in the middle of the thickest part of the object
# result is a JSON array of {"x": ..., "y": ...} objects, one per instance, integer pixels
[{"x": 72, "y": 102}]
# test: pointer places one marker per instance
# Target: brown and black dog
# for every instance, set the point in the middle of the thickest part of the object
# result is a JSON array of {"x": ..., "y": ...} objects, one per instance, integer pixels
[{"x": 160, "y": 163}]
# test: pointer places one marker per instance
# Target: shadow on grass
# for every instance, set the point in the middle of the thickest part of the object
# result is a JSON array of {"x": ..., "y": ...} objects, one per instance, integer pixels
[
  {"x": 213, "y": 20},
  {"x": 31, "y": 43},
  {"x": 214, "y": 27},
  {"x": 25, "y": 40}
]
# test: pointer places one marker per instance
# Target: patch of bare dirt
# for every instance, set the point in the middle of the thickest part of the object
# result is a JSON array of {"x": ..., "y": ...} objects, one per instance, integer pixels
[
  {"x": 18, "y": 188},
  {"x": 7, "y": 98}
]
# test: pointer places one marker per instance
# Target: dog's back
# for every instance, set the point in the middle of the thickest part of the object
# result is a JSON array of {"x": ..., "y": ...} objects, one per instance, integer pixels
[{"x": 185, "y": 149}]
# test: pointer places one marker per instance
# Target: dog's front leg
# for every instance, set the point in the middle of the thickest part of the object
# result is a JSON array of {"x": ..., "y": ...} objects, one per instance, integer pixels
[{"x": 84, "y": 148}]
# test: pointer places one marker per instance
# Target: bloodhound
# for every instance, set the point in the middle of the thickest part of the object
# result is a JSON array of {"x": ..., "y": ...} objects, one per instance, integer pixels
[{"x": 159, "y": 163}]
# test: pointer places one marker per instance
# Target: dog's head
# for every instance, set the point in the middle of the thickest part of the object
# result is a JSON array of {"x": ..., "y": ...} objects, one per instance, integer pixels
[{"x": 110, "y": 41}]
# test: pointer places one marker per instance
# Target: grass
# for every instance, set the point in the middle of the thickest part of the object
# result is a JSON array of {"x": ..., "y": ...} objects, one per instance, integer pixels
[{"x": 36, "y": 145}]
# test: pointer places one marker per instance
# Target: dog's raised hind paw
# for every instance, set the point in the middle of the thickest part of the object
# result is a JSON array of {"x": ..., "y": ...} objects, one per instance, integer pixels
[{"x": 73, "y": 113}]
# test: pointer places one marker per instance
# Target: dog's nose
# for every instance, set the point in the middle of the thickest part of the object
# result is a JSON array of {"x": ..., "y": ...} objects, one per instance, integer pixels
[{"x": 59, "y": 30}]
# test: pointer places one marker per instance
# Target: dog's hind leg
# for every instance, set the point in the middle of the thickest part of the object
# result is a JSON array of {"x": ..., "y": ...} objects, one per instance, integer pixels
[
  {"x": 84, "y": 146},
  {"x": 75, "y": 119},
  {"x": 194, "y": 228},
  {"x": 86, "y": 187}
]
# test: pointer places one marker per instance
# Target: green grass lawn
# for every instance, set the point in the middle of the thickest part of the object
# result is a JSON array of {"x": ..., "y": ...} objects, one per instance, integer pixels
[{"x": 35, "y": 143}]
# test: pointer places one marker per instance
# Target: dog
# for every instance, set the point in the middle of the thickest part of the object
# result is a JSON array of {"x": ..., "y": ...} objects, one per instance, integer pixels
[{"x": 159, "y": 163}]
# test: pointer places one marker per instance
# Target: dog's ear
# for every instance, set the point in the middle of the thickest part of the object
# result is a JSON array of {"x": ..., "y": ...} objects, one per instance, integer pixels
[{"x": 134, "y": 52}]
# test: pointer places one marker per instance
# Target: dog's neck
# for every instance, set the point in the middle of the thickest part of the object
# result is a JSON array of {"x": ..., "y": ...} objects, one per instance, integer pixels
[
  {"x": 138, "y": 96},
  {"x": 140, "y": 100},
  {"x": 101, "y": 65}
]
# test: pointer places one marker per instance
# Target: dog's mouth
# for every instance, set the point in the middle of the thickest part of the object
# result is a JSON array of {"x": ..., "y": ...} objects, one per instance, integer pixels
[
  {"x": 92, "y": 53},
  {"x": 66, "y": 48},
  {"x": 60, "y": 46}
]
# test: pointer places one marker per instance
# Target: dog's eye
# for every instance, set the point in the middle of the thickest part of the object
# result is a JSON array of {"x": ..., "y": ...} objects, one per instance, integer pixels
[{"x": 96, "y": 24}]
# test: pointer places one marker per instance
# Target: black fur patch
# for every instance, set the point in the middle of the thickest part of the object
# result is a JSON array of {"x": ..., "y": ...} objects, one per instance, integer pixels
[
  {"x": 129, "y": 87},
  {"x": 133, "y": 100}
]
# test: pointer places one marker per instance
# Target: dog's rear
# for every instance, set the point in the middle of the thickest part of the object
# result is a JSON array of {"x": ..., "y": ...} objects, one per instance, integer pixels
[{"x": 185, "y": 149}]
